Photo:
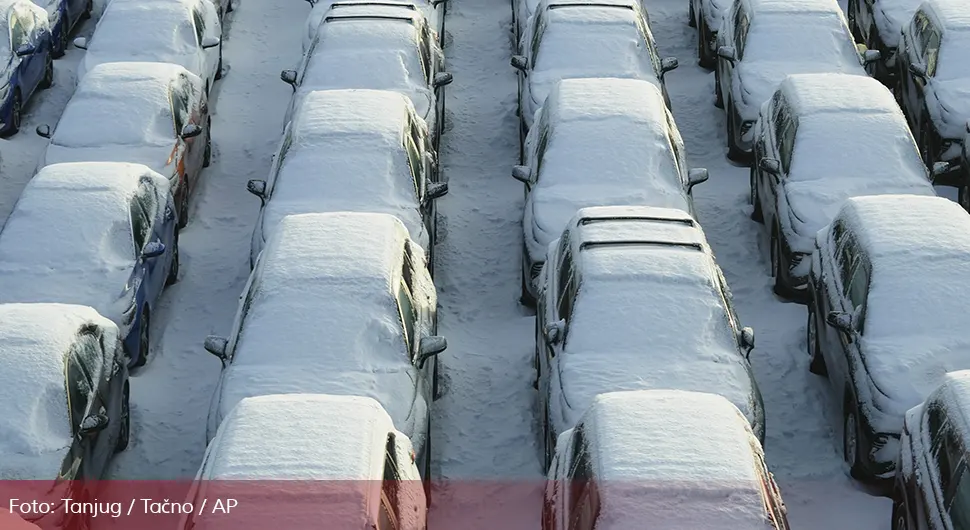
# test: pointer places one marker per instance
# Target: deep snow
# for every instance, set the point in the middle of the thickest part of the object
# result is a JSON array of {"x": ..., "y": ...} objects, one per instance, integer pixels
[{"x": 484, "y": 424}]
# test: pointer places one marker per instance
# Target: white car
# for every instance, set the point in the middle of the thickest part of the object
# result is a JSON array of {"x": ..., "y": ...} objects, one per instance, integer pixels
[
  {"x": 763, "y": 41},
  {"x": 342, "y": 455},
  {"x": 183, "y": 32},
  {"x": 352, "y": 150},
  {"x": 661, "y": 460},
  {"x": 338, "y": 303},
  {"x": 145, "y": 113},
  {"x": 598, "y": 142},
  {"x": 433, "y": 11},
  {"x": 577, "y": 39},
  {"x": 359, "y": 45},
  {"x": 879, "y": 24},
  {"x": 631, "y": 298},
  {"x": 707, "y": 16}
]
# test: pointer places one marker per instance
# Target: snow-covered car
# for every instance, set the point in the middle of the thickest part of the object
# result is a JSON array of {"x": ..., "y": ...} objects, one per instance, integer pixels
[
  {"x": 338, "y": 303},
  {"x": 707, "y": 16},
  {"x": 359, "y": 45},
  {"x": 578, "y": 39},
  {"x": 813, "y": 151},
  {"x": 934, "y": 81},
  {"x": 62, "y": 17},
  {"x": 630, "y": 298},
  {"x": 26, "y": 55},
  {"x": 65, "y": 404},
  {"x": 878, "y": 25},
  {"x": 342, "y": 454},
  {"x": 763, "y": 41},
  {"x": 184, "y": 32},
  {"x": 352, "y": 150},
  {"x": 433, "y": 11},
  {"x": 663, "y": 460},
  {"x": 931, "y": 488},
  {"x": 100, "y": 234},
  {"x": 598, "y": 142},
  {"x": 885, "y": 316},
  {"x": 145, "y": 113}
]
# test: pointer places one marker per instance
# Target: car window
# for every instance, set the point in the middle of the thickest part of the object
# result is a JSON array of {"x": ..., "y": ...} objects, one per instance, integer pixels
[
  {"x": 180, "y": 98},
  {"x": 859, "y": 291},
  {"x": 89, "y": 352},
  {"x": 582, "y": 512},
  {"x": 408, "y": 315},
  {"x": 565, "y": 268},
  {"x": 79, "y": 390},
  {"x": 140, "y": 223},
  {"x": 540, "y": 28},
  {"x": 567, "y": 301},
  {"x": 541, "y": 144},
  {"x": 918, "y": 28},
  {"x": 931, "y": 50},
  {"x": 777, "y": 102},
  {"x": 199, "y": 21},
  {"x": 19, "y": 32},
  {"x": 786, "y": 141},
  {"x": 424, "y": 50},
  {"x": 741, "y": 25},
  {"x": 389, "y": 488},
  {"x": 959, "y": 508},
  {"x": 415, "y": 163}
]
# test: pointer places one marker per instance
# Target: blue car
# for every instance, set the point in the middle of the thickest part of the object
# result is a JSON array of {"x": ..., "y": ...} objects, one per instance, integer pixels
[
  {"x": 63, "y": 16},
  {"x": 101, "y": 234},
  {"x": 30, "y": 64}
]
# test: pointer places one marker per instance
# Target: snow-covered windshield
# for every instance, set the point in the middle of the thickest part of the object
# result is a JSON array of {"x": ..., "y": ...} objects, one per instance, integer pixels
[
  {"x": 96, "y": 120},
  {"x": 809, "y": 38},
  {"x": 141, "y": 31},
  {"x": 592, "y": 41}
]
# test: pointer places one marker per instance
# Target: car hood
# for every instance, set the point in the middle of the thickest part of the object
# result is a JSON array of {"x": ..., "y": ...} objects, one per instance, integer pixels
[
  {"x": 155, "y": 157},
  {"x": 954, "y": 95},
  {"x": 395, "y": 389},
  {"x": 908, "y": 370}
]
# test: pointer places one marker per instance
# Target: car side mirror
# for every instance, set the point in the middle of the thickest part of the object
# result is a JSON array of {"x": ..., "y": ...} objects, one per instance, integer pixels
[
  {"x": 553, "y": 332},
  {"x": 917, "y": 70},
  {"x": 435, "y": 190},
  {"x": 696, "y": 176},
  {"x": 210, "y": 42},
  {"x": 841, "y": 321},
  {"x": 871, "y": 56},
  {"x": 44, "y": 131},
  {"x": 81, "y": 43},
  {"x": 311, "y": 2},
  {"x": 93, "y": 424},
  {"x": 26, "y": 49},
  {"x": 191, "y": 130},
  {"x": 522, "y": 174},
  {"x": 257, "y": 188},
  {"x": 727, "y": 53},
  {"x": 747, "y": 341},
  {"x": 770, "y": 165},
  {"x": 217, "y": 346},
  {"x": 941, "y": 168},
  {"x": 153, "y": 249},
  {"x": 289, "y": 77},
  {"x": 520, "y": 63},
  {"x": 442, "y": 79},
  {"x": 429, "y": 347},
  {"x": 668, "y": 64},
  {"x": 437, "y": 3}
]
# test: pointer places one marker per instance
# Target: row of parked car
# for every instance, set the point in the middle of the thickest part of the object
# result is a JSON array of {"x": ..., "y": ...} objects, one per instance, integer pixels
[{"x": 614, "y": 258}]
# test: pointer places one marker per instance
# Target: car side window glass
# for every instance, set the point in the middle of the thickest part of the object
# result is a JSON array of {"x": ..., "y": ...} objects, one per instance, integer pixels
[
  {"x": 540, "y": 28},
  {"x": 180, "y": 97},
  {"x": 541, "y": 145},
  {"x": 199, "y": 21},
  {"x": 777, "y": 103},
  {"x": 18, "y": 34},
  {"x": 90, "y": 354},
  {"x": 858, "y": 292},
  {"x": 415, "y": 163},
  {"x": 140, "y": 224},
  {"x": 741, "y": 25},
  {"x": 78, "y": 390},
  {"x": 931, "y": 50},
  {"x": 387, "y": 519},
  {"x": 919, "y": 25},
  {"x": 408, "y": 315},
  {"x": 959, "y": 508},
  {"x": 649, "y": 45},
  {"x": 565, "y": 269},
  {"x": 423, "y": 51},
  {"x": 786, "y": 143}
]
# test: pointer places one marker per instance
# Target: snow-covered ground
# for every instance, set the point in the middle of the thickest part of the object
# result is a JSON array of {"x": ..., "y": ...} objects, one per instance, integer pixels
[{"x": 484, "y": 425}]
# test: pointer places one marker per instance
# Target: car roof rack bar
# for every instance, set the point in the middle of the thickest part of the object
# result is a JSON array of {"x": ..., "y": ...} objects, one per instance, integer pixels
[
  {"x": 591, "y": 4},
  {"x": 331, "y": 18},
  {"x": 673, "y": 220},
  {"x": 352, "y": 3},
  {"x": 641, "y": 242}
]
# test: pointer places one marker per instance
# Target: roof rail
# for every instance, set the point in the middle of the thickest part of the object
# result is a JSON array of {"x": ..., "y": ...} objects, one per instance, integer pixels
[
  {"x": 331, "y": 18},
  {"x": 673, "y": 220},
  {"x": 588, "y": 4},
  {"x": 641, "y": 242},
  {"x": 354, "y": 3}
]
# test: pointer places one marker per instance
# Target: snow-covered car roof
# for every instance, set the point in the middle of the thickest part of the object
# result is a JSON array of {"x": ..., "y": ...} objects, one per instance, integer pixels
[
  {"x": 365, "y": 46},
  {"x": 583, "y": 39},
  {"x": 347, "y": 155},
  {"x": 877, "y": 153},
  {"x": 649, "y": 313},
  {"x": 793, "y": 6},
  {"x": 325, "y": 294},
  {"x": 322, "y": 9},
  {"x": 124, "y": 104},
  {"x": 314, "y": 437},
  {"x": 668, "y": 459},
  {"x": 916, "y": 246},
  {"x": 954, "y": 395},
  {"x": 953, "y": 17},
  {"x": 891, "y": 16},
  {"x": 137, "y": 28},
  {"x": 952, "y": 14},
  {"x": 610, "y": 137},
  {"x": 820, "y": 37},
  {"x": 35, "y": 430}
]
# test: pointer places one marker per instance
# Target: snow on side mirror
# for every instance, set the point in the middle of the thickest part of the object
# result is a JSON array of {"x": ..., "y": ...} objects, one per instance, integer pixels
[
  {"x": 436, "y": 190},
  {"x": 553, "y": 332},
  {"x": 44, "y": 131},
  {"x": 81, "y": 43},
  {"x": 871, "y": 56},
  {"x": 93, "y": 424},
  {"x": 217, "y": 346},
  {"x": 26, "y": 49},
  {"x": 191, "y": 130},
  {"x": 429, "y": 347},
  {"x": 210, "y": 42},
  {"x": 257, "y": 188},
  {"x": 153, "y": 249},
  {"x": 967, "y": 126},
  {"x": 443, "y": 79},
  {"x": 520, "y": 63},
  {"x": 288, "y": 77},
  {"x": 841, "y": 321},
  {"x": 696, "y": 176},
  {"x": 727, "y": 53},
  {"x": 917, "y": 70},
  {"x": 940, "y": 168},
  {"x": 747, "y": 341},
  {"x": 522, "y": 174},
  {"x": 668, "y": 64},
  {"x": 770, "y": 165}
]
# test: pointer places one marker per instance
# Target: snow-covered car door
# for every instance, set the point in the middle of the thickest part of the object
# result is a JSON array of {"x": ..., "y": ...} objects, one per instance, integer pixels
[
  {"x": 208, "y": 30},
  {"x": 920, "y": 39}
]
